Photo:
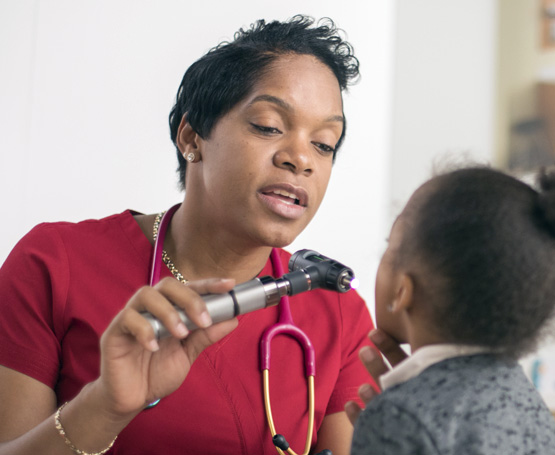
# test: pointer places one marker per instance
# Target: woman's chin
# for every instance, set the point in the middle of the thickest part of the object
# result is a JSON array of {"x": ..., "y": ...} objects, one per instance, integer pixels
[{"x": 280, "y": 239}]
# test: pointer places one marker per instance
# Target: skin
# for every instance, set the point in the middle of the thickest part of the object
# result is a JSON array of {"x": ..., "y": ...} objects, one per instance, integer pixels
[
  {"x": 389, "y": 287},
  {"x": 374, "y": 361},
  {"x": 401, "y": 316},
  {"x": 279, "y": 138}
]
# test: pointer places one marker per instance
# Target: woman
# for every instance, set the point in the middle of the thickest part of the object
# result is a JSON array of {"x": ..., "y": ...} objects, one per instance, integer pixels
[{"x": 257, "y": 124}]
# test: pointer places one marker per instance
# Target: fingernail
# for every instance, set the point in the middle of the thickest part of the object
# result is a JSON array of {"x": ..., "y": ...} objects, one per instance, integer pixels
[
  {"x": 366, "y": 392},
  {"x": 153, "y": 345},
  {"x": 367, "y": 354},
  {"x": 205, "y": 319},
  {"x": 182, "y": 330},
  {"x": 377, "y": 336}
]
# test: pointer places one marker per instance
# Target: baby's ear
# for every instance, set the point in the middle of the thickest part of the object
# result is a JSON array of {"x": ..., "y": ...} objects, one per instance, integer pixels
[{"x": 404, "y": 295}]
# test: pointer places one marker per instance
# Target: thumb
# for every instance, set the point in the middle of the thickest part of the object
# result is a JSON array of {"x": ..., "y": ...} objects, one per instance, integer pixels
[{"x": 353, "y": 410}]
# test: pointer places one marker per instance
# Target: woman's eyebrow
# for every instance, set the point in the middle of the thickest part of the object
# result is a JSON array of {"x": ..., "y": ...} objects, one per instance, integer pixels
[
  {"x": 336, "y": 118},
  {"x": 272, "y": 99},
  {"x": 286, "y": 106}
]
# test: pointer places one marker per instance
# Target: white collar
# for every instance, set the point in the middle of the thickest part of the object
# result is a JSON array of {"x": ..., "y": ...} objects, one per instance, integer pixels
[{"x": 423, "y": 358}]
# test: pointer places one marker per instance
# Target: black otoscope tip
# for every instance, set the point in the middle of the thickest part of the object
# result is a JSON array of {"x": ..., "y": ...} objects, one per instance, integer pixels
[
  {"x": 325, "y": 452},
  {"x": 280, "y": 442}
]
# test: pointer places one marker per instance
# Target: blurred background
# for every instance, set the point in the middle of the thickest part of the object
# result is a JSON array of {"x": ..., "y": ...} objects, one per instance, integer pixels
[{"x": 86, "y": 87}]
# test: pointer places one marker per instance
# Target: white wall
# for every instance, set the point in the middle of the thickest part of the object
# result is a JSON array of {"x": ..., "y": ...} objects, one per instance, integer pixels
[
  {"x": 444, "y": 93},
  {"x": 85, "y": 91}
]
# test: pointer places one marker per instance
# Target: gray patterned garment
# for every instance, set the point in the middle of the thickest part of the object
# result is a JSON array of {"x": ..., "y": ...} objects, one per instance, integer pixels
[{"x": 464, "y": 405}]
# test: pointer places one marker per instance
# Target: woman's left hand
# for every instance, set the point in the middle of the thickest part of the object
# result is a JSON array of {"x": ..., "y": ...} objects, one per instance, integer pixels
[{"x": 376, "y": 365}]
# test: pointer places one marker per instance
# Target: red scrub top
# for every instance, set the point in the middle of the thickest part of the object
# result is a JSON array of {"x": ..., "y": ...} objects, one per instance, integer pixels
[{"x": 64, "y": 282}]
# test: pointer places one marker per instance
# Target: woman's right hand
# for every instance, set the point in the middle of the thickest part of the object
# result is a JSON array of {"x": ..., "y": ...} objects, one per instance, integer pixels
[{"x": 136, "y": 369}]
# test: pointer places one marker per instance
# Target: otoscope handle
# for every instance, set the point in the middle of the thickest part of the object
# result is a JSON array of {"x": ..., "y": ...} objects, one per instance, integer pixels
[{"x": 243, "y": 298}]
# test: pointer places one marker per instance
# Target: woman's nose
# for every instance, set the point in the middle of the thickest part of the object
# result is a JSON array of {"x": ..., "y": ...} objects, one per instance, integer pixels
[{"x": 294, "y": 156}]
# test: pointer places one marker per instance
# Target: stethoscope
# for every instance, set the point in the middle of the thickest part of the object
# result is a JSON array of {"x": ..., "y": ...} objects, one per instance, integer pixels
[
  {"x": 283, "y": 326},
  {"x": 286, "y": 326}
]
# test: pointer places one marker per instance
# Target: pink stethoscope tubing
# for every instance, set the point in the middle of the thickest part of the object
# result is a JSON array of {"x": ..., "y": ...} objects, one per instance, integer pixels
[
  {"x": 157, "y": 262},
  {"x": 283, "y": 326},
  {"x": 286, "y": 326}
]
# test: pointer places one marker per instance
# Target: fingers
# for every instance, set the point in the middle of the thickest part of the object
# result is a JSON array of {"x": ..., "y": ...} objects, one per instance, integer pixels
[
  {"x": 131, "y": 323},
  {"x": 185, "y": 298},
  {"x": 353, "y": 410},
  {"x": 389, "y": 347},
  {"x": 161, "y": 302},
  {"x": 212, "y": 285},
  {"x": 376, "y": 366},
  {"x": 366, "y": 393},
  {"x": 371, "y": 358},
  {"x": 373, "y": 361},
  {"x": 190, "y": 298}
]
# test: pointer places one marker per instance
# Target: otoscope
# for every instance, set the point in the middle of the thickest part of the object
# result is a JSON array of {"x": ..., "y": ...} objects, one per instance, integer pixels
[{"x": 308, "y": 270}]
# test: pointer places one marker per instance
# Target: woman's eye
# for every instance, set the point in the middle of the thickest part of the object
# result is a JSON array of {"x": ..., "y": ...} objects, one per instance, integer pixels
[
  {"x": 324, "y": 147},
  {"x": 265, "y": 129}
]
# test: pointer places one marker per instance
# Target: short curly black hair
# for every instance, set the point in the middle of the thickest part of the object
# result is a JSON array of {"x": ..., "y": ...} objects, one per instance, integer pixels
[
  {"x": 224, "y": 76},
  {"x": 486, "y": 244}
]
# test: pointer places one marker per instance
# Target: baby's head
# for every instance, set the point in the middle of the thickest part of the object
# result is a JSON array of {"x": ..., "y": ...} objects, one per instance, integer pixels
[{"x": 471, "y": 261}]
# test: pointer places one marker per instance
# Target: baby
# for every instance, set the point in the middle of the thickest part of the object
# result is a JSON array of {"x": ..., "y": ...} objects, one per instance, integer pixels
[{"x": 468, "y": 280}]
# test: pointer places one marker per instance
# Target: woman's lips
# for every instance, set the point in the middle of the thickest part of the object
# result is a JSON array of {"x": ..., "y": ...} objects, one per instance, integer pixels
[{"x": 285, "y": 200}]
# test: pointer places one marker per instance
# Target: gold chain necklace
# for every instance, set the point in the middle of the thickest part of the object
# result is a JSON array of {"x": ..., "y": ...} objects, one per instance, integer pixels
[{"x": 165, "y": 257}]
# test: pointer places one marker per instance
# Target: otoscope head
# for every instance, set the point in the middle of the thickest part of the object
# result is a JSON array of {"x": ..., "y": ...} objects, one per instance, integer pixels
[
  {"x": 355, "y": 283},
  {"x": 324, "y": 272},
  {"x": 350, "y": 281}
]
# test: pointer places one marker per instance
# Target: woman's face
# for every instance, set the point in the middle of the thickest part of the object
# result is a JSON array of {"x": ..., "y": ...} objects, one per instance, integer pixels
[{"x": 266, "y": 164}]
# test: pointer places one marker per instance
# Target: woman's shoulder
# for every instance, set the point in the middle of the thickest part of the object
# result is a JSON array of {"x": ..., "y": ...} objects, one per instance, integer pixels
[
  {"x": 86, "y": 227},
  {"x": 55, "y": 238},
  {"x": 48, "y": 227}
]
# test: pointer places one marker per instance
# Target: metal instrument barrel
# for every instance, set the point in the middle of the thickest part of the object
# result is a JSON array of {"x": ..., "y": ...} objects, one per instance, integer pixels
[{"x": 243, "y": 298}]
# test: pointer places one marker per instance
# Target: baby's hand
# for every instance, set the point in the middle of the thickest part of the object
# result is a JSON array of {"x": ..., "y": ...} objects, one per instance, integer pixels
[{"x": 376, "y": 366}]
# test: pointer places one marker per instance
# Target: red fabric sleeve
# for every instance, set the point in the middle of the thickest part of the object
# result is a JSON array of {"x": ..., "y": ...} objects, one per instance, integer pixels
[
  {"x": 356, "y": 324},
  {"x": 33, "y": 290}
]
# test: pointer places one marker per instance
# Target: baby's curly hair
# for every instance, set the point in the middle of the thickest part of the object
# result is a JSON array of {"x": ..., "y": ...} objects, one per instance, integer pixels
[
  {"x": 224, "y": 76},
  {"x": 485, "y": 242}
]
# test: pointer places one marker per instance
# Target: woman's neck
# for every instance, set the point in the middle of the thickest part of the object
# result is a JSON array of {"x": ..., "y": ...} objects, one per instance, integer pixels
[{"x": 200, "y": 253}]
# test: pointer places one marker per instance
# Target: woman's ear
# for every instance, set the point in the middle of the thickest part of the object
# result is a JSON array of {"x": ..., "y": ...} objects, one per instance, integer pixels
[
  {"x": 187, "y": 139},
  {"x": 404, "y": 294}
]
